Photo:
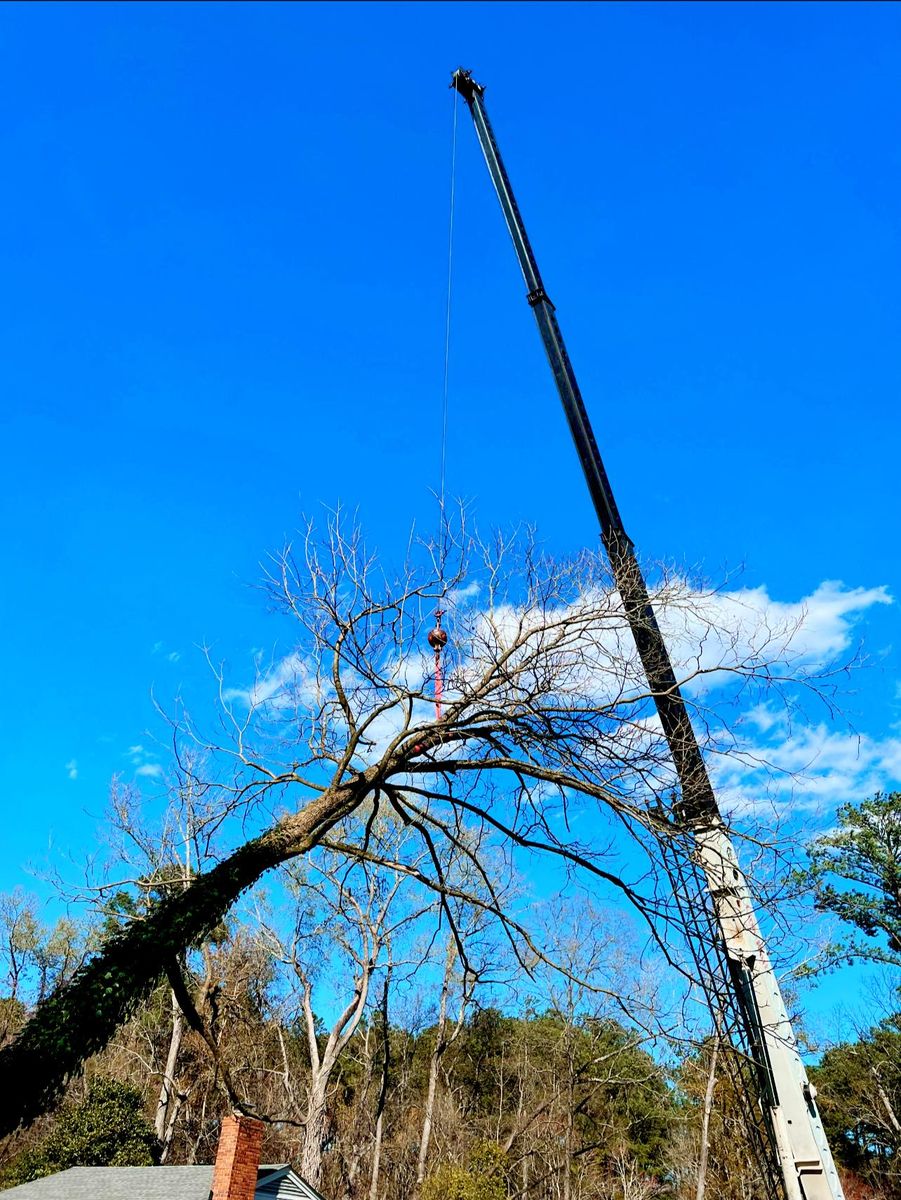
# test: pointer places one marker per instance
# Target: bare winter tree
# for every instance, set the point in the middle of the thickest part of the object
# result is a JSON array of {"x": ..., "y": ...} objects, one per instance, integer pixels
[
  {"x": 547, "y": 745},
  {"x": 34, "y": 958},
  {"x": 154, "y": 847},
  {"x": 447, "y": 1030},
  {"x": 346, "y": 918}
]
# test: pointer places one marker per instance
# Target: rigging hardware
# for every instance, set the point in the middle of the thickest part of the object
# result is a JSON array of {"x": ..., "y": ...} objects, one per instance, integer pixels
[{"x": 438, "y": 640}]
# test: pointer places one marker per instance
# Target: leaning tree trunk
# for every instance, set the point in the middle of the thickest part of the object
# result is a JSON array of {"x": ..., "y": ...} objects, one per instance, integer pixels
[{"x": 79, "y": 1019}]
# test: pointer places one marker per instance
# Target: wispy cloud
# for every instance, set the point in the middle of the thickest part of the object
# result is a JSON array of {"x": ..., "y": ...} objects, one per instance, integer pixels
[
  {"x": 72, "y": 768},
  {"x": 715, "y": 638},
  {"x": 705, "y": 630},
  {"x": 711, "y": 636},
  {"x": 808, "y": 768},
  {"x": 780, "y": 757},
  {"x": 150, "y": 770},
  {"x": 289, "y": 679},
  {"x": 467, "y": 592},
  {"x": 171, "y": 656},
  {"x": 144, "y": 762}
]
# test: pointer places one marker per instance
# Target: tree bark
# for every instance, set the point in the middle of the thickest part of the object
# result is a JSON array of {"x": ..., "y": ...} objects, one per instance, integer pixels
[
  {"x": 167, "y": 1104},
  {"x": 429, "y": 1111},
  {"x": 311, "y": 1155},
  {"x": 705, "y": 1123},
  {"x": 376, "y": 1158},
  {"x": 568, "y": 1143},
  {"x": 383, "y": 1092}
]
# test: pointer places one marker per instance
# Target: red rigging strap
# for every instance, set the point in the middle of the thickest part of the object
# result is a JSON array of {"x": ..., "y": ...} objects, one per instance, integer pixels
[{"x": 438, "y": 640}]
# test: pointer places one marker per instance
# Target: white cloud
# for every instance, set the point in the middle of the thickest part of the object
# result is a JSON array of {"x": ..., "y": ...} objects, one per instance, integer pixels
[
  {"x": 711, "y": 636},
  {"x": 150, "y": 770},
  {"x": 807, "y": 767},
  {"x": 467, "y": 592},
  {"x": 793, "y": 763},
  {"x": 717, "y": 640},
  {"x": 708, "y": 630},
  {"x": 172, "y": 656},
  {"x": 143, "y": 762},
  {"x": 289, "y": 677},
  {"x": 827, "y": 617},
  {"x": 790, "y": 761},
  {"x": 72, "y": 768}
]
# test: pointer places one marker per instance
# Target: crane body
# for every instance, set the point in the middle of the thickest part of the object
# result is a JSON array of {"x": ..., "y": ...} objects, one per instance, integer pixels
[{"x": 801, "y": 1162}]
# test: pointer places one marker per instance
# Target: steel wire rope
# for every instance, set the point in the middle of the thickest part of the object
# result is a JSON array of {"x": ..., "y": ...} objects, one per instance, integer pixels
[
  {"x": 438, "y": 637},
  {"x": 443, "y": 538}
]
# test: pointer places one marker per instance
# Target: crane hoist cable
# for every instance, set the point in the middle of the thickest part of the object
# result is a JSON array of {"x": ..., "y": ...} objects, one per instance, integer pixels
[
  {"x": 447, "y": 332},
  {"x": 437, "y": 637}
]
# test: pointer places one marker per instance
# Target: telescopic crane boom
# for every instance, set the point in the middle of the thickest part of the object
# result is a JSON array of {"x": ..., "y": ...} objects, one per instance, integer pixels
[{"x": 803, "y": 1162}]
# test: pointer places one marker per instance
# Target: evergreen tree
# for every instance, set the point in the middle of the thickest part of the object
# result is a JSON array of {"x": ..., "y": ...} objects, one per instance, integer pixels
[
  {"x": 107, "y": 1129},
  {"x": 859, "y": 1085},
  {"x": 856, "y": 874},
  {"x": 483, "y": 1178}
]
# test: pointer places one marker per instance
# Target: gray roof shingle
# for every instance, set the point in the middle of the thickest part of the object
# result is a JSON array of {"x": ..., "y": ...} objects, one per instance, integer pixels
[
  {"x": 154, "y": 1183},
  {"x": 119, "y": 1183}
]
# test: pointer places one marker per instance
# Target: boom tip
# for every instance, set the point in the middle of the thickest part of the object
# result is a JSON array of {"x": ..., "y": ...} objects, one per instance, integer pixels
[{"x": 464, "y": 83}]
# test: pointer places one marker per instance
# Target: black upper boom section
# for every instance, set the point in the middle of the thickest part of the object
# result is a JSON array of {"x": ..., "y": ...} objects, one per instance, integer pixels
[{"x": 697, "y": 800}]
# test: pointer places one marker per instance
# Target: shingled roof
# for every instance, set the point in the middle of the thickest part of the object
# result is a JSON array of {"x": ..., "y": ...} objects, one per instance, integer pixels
[{"x": 155, "y": 1183}]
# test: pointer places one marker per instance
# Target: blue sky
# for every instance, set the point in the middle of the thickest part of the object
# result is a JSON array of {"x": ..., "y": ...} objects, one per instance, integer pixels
[{"x": 225, "y": 256}]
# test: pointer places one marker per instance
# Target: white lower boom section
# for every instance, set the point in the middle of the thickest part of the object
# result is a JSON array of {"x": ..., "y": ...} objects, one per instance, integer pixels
[{"x": 806, "y": 1160}]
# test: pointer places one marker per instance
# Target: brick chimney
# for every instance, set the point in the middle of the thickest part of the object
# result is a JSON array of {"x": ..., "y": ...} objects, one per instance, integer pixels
[{"x": 237, "y": 1159}]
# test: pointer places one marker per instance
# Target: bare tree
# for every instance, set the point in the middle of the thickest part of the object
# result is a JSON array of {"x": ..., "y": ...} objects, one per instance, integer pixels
[
  {"x": 34, "y": 957},
  {"x": 445, "y": 1036},
  {"x": 546, "y": 745},
  {"x": 704, "y": 1151},
  {"x": 381, "y": 1101},
  {"x": 346, "y": 916}
]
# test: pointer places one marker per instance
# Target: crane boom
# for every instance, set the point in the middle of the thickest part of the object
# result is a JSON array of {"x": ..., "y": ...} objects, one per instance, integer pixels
[{"x": 803, "y": 1162}]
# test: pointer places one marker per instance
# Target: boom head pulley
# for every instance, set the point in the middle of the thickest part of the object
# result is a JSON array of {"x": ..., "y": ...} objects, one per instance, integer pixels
[{"x": 463, "y": 82}]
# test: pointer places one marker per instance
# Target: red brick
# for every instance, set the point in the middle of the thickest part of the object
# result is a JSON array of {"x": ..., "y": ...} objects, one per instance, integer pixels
[{"x": 237, "y": 1159}]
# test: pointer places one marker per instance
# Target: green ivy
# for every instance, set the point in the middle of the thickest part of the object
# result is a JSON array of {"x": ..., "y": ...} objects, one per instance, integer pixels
[{"x": 79, "y": 1019}]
